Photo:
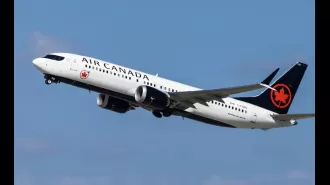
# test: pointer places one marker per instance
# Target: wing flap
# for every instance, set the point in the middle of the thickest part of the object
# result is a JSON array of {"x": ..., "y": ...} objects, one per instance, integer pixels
[{"x": 292, "y": 116}]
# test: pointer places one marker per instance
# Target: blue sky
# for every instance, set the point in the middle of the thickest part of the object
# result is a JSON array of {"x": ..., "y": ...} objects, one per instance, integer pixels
[{"x": 63, "y": 138}]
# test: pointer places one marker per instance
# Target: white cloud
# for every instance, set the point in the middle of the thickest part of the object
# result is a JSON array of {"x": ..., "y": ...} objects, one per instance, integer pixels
[
  {"x": 31, "y": 146},
  {"x": 288, "y": 178},
  {"x": 41, "y": 44},
  {"x": 72, "y": 181},
  {"x": 293, "y": 176},
  {"x": 83, "y": 181},
  {"x": 296, "y": 174},
  {"x": 217, "y": 180},
  {"x": 23, "y": 179}
]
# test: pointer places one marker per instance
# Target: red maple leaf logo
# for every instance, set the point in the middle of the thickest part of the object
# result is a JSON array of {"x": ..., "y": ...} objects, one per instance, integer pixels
[
  {"x": 84, "y": 74},
  {"x": 281, "y": 96}
]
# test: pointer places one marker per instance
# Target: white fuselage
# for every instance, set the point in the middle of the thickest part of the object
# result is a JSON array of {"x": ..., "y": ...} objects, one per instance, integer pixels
[{"x": 125, "y": 81}]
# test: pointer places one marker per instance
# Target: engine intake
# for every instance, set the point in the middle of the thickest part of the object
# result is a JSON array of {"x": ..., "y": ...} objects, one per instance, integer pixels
[
  {"x": 152, "y": 97},
  {"x": 113, "y": 104},
  {"x": 294, "y": 122}
]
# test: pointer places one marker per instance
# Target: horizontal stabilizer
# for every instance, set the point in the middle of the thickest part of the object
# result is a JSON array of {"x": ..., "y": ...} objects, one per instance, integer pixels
[{"x": 292, "y": 116}]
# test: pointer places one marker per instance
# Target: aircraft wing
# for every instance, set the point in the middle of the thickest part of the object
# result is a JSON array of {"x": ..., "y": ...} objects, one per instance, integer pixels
[
  {"x": 292, "y": 116},
  {"x": 202, "y": 96},
  {"x": 188, "y": 98}
]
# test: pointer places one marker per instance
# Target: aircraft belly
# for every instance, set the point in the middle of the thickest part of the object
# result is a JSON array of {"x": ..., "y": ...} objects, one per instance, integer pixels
[{"x": 210, "y": 113}]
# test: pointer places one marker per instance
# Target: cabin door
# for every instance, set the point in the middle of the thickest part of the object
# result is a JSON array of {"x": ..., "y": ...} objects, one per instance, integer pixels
[
  {"x": 74, "y": 64},
  {"x": 254, "y": 117}
]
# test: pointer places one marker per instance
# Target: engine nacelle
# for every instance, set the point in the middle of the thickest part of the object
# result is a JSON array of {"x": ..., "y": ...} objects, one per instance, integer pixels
[
  {"x": 114, "y": 104},
  {"x": 294, "y": 122},
  {"x": 152, "y": 97}
]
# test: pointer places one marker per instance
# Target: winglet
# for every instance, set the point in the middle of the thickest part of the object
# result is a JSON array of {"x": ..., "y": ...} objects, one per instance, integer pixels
[{"x": 270, "y": 77}]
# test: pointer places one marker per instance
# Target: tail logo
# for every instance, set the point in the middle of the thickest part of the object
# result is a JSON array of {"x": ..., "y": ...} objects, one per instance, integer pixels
[{"x": 282, "y": 97}]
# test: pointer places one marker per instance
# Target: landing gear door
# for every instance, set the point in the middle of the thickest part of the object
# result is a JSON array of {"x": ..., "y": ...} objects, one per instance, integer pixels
[
  {"x": 254, "y": 117},
  {"x": 74, "y": 64}
]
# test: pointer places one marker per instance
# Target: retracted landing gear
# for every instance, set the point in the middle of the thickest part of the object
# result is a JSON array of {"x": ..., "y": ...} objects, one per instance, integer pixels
[
  {"x": 163, "y": 113},
  {"x": 157, "y": 114},
  {"x": 167, "y": 113}
]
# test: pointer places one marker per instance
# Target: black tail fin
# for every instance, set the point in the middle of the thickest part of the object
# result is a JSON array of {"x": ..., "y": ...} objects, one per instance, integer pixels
[{"x": 287, "y": 85}]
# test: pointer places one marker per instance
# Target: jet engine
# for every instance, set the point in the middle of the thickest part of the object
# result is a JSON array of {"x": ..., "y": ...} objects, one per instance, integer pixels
[
  {"x": 294, "y": 122},
  {"x": 114, "y": 104},
  {"x": 152, "y": 97}
]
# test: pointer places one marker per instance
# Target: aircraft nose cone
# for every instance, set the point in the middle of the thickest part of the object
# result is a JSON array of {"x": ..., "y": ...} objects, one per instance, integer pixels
[
  {"x": 34, "y": 62},
  {"x": 37, "y": 63}
]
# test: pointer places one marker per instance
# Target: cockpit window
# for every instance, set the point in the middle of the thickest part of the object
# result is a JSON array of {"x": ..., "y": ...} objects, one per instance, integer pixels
[{"x": 54, "y": 57}]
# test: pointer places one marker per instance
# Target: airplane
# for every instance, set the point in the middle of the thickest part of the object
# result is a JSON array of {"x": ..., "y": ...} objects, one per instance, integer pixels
[{"x": 122, "y": 89}]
